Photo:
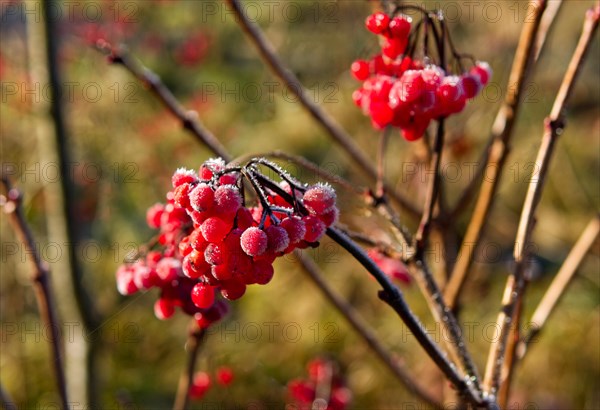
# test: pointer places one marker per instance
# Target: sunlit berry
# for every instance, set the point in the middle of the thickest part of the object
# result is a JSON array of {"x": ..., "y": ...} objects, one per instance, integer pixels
[
  {"x": 319, "y": 198},
  {"x": 377, "y": 22},
  {"x": 163, "y": 309},
  {"x": 254, "y": 241},
  {"x": 360, "y": 70},
  {"x": 203, "y": 295}
]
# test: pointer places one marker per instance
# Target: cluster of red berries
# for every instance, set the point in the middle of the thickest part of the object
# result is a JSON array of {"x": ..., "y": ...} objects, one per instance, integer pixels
[
  {"x": 408, "y": 93},
  {"x": 202, "y": 381},
  {"x": 392, "y": 267},
  {"x": 321, "y": 373},
  {"x": 213, "y": 244}
]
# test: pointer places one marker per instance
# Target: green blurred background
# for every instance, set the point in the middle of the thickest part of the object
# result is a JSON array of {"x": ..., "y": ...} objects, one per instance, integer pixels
[{"x": 125, "y": 146}]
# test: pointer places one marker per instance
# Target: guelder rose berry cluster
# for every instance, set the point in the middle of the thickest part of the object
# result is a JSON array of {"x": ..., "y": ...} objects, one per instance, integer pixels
[
  {"x": 405, "y": 92},
  {"x": 213, "y": 244}
]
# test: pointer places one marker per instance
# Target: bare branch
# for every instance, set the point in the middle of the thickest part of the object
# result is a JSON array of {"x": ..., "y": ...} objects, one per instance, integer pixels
[
  {"x": 189, "y": 119},
  {"x": 560, "y": 283},
  {"x": 11, "y": 204}
]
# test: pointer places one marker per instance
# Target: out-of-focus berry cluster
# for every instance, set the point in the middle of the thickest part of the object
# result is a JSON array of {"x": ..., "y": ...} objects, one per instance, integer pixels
[
  {"x": 402, "y": 91},
  {"x": 324, "y": 388},
  {"x": 213, "y": 244}
]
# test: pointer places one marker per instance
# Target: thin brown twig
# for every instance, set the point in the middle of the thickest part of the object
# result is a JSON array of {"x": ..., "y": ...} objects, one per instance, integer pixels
[
  {"x": 189, "y": 119},
  {"x": 432, "y": 191},
  {"x": 516, "y": 284},
  {"x": 12, "y": 205},
  {"x": 364, "y": 331},
  {"x": 333, "y": 129},
  {"x": 559, "y": 285},
  {"x": 495, "y": 155},
  {"x": 196, "y": 337},
  {"x": 508, "y": 113}
]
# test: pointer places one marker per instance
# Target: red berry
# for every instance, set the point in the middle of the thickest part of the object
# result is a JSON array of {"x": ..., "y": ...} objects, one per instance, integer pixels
[
  {"x": 228, "y": 199},
  {"x": 202, "y": 197},
  {"x": 399, "y": 27},
  {"x": 125, "y": 282},
  {"x": 294, "y": 227},
  {"x": 221, "y": 272},
  {"x": 470, "y": 85},
  {"x": 210, "y": 167},
  {"x": 301, "y": 391},
  {"x": 314, "y": 228},
  {"x": 224, "y": 376},
  {"x": 381, "y": 114},
  {"x": 203, "y": 295},
  {"x": 254, "y": 241},
  {"x": 483, "y": 71},
  {"x": 415, "y": 130},
  {"x": 214, "y": 254},
  {"x": 230, "y": 178},
  {"x": 263, "y": 272},
  {"x": 278, "y": 239},
  {"x": 153, "y": 215},
  {"x": 183, "y": 176},
  {"x": 412, "y": 85},
  {"x": 330, "y": 217},
  {"x": 163, "y": 309},
  {"x": 215, "y": 229},
  {"x": 360, "y": 70},
  {"x": 319, "y": 199},
  {"x": 200, "y": 385},
  {"x": 394, "y": 47},
  {"x": 233, "y": 289},
  {"x": 357, "y": 97},
  {"x": 377, "y": 23},
  {"x": 181, "y": 195},
  {"x": 168, "y": 269}
]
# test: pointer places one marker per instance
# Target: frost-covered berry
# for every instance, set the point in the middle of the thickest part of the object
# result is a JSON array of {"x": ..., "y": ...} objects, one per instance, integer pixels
[
  {"x": 295, "y": 228},
  {"x": 254, "y": 241},
  {"x": 215, "y": 229},
  {"x": 315, "y": 228},
  {"x": 183, "y": 176},
  {"x": 399, "y": 27},
  {"x": 203, "y": 295},
  {"x": 377, "y": 23},
  {"x": 278, "y": 239},
  {"x": 214, "y": 254},
  {"x": 228, "y": 199},
  {"x": 202, "y": 197},
  {"x": 483, "y": 71},
  {"x": 211, "y": 166},
  {"x": 319, "y": 199},
  {"x": 168, "y": 269},
  {"x": 163, "y": 309}
]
